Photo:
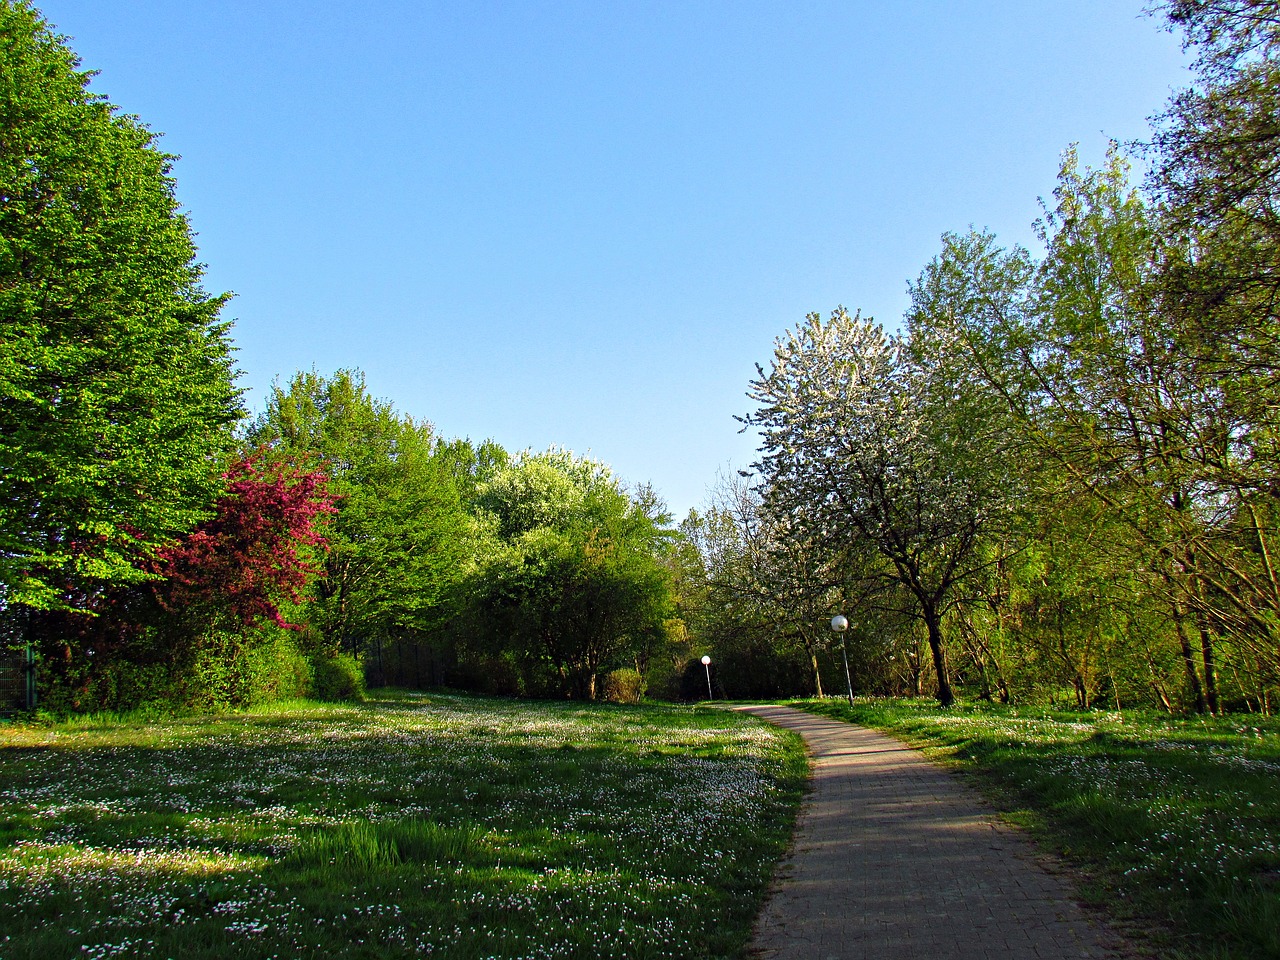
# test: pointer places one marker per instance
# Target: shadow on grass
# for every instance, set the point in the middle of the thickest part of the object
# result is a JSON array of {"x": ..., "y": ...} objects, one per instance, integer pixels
[{"x": 337, "y": 833}]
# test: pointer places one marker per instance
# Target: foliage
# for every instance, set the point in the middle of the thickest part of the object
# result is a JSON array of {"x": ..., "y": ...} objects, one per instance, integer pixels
[
  {"x": 407, "y": 825},
  {"x": 1067, "y": 464},
  {"x": 337, "y": 677},
  {"x": 257, "y": 552},
  {"x": 1113, "y": 414},
  {"x": 1173, "y": 818},
  {"x": 623, "y": 686},
  {"x": 163, "y": 666},
  {"x": 207, "y": 631},
  {"x": 576, "y": 587},
  {"x": 227, "y": 668},
  {"x": 401, "y": 537},
  {"x": 865, "y": 451},
  {"x": 766, "y": 597},
  {"x": 115, "y": 370}
]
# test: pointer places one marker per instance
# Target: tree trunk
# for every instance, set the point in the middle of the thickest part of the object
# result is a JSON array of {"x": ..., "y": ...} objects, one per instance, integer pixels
[
  {"x": 1197, "y": 585},
  {"x": 933, "y": 623},
  {"x": 1189, "y": 661},
  {"x": 1158, "y": 687},
  {"x": 914, "y": 670},
  {"x": 1210, "y": 670}
]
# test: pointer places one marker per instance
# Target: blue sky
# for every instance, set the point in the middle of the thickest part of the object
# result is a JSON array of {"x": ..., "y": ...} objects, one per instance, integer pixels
[{"x": 583, "y": 223}]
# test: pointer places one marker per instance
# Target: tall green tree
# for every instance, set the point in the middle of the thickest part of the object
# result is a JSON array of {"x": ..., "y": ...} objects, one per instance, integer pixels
[
  {"x": 116, "y": 383},
  {"x": 1116, "y": 398},
  {"x": 401, "y": 537},
  {"x": 1217, "y": 175}
]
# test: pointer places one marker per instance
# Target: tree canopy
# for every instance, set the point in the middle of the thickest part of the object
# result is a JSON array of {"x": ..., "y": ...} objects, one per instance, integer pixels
[{"x": 115, "y": 369}]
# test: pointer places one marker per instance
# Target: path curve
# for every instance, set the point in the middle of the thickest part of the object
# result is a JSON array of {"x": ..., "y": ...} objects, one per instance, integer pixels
[{"x": 894, "y": 857}]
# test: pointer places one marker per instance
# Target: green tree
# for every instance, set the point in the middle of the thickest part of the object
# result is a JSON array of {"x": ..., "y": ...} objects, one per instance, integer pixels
[
  {"x": 771, "y": 592},
  {"x": 116, "y": 385},
  {"x": 1115, "y": 400},
  {"x": 578, "y": 586},
  {"x": 1217, "y": 175},
  {"x": 401, "y": 538}
]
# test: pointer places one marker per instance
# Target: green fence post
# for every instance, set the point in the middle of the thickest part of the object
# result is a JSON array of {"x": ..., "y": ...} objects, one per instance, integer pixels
[{"x": 31, "y": 677}]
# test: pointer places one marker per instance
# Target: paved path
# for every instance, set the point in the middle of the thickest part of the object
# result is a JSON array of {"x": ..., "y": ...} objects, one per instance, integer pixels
[{"x": 894, "y": 857}]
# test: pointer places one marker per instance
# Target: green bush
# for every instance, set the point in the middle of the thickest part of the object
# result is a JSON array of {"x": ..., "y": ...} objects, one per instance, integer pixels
[
  {"x": 277, "y": 669},
  {"x": 218, "y": 669},
  {"x": 234, "y": 669},
  {"x": 126, "y": 685},
  {"x": 336, "y": 677},
  {"x": 623, "y": 686}
]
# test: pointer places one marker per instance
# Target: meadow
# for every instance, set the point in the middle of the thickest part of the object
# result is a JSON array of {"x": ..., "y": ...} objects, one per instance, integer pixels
[
  {"x": 407, "y": 826},
  {"x": 1172, "y": 823}
]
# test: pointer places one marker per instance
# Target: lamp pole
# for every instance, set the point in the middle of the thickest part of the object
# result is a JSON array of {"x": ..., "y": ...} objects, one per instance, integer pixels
[
  {"x": 706, "y": 664},
  {"x": 840, "y": 624}
]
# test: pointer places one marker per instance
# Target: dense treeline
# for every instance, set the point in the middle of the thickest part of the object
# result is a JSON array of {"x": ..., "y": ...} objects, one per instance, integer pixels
[
  {"x": 350, "y": 542},
  {"x": 1059, "y": 480},
  {"x": 1062, "y": 477},
  {"x": 156, "y": 547}
]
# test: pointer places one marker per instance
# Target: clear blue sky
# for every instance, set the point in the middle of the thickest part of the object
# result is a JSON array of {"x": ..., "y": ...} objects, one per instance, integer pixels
[{"x": 583, "y": 223}]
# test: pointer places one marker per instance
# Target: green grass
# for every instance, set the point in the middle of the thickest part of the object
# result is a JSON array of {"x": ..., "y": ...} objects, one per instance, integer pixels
[
  {"x": 1172, "y": 823},
  {"x": 409, "y": 826}
]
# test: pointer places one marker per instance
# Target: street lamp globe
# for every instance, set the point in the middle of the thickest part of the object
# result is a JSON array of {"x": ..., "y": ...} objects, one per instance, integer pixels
[{"x": 840, "y": 623}]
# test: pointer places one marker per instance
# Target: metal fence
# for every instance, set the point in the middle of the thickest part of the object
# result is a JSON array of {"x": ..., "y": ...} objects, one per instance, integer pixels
[{"x": 17, "y": 681}]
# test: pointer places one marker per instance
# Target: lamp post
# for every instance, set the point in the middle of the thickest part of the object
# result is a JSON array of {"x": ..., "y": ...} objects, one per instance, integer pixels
[
  {"x": 706, "y": 665},
  {"x": 840, "y": 624}
]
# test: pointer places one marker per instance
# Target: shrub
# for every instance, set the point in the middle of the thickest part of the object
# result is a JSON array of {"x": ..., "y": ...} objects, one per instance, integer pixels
[
  {"x": 239, "y": 668},
  {"x": 337, "y": 676},
  {"x": 623, "y": 686},
  {"x": 277, "y": 669}
]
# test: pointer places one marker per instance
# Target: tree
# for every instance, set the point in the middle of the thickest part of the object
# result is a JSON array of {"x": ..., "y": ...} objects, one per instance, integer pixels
[
  {"x": 862, "y": 449},
  {"x": 1217, "y": 175},
  {"x": 258, "y": 552},
  {"x": 208, "y": 627},
  {"x": 1115, "y": 397},
  {"x": 116, "y": 385},
  {"x": 1218, "y": 167},
  {"x": 770, "y": 589},
  {"x": 401, "y": 537},
  {"x": 577, "y": 585}
]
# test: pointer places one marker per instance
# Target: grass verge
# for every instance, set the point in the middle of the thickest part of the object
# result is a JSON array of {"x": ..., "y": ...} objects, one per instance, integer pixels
[
  {"x": 408, "y": 826},
  {"x": 1173, "y": 822}
]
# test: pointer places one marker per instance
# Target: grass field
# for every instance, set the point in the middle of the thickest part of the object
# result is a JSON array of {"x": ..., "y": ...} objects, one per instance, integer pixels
[
  {"x": 1174, "y": 822},
  {"x": 412, "y": 825}
]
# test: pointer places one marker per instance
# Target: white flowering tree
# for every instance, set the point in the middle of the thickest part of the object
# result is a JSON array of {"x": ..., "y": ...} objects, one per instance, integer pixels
[{"x": 861, "y": 449}]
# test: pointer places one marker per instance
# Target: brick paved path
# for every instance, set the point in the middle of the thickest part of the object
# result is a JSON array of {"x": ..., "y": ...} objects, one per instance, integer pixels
[{"x": 894, "y": 857}]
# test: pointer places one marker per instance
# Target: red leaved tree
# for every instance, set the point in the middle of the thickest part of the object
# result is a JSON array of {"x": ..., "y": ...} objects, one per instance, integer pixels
[{"x": 259, "y": 550}]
